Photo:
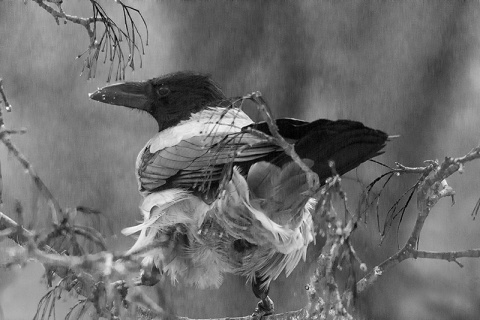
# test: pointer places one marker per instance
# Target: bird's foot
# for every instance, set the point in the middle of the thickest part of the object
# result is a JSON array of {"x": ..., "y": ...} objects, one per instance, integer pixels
[{"x": 264, "y": 308}]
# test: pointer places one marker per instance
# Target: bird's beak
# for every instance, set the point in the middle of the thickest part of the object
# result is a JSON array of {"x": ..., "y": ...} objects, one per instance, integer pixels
[{"x": 128, "y": 94}]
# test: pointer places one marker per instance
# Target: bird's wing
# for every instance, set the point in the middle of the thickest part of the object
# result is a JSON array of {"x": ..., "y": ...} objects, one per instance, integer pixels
[
  {"x": 197, "y": 160},
  {"x": 194, "y": 156}
]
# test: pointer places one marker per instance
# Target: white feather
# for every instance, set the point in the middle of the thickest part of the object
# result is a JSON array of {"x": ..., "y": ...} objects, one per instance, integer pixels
[
  {"x": 231, "y": 209},
  {"x": 162, "y": 200},
  {"x": 217, "y": 121}
]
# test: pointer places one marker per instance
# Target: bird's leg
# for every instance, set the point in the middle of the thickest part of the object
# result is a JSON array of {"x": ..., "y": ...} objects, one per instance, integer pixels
[{"x": 265, "y": 305}]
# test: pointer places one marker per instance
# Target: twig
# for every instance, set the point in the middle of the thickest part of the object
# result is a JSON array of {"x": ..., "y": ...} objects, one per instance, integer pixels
[
  {"x": 432, "y": 188},
  {"x": 289, "y": 315},
  {"x": 449, "y": 255},
  {"x": 109, "y": 41},
  {"x": 139, "y": 297},
  {"x": 5, "y": 138},
  {"x": 104, "y": 263},
  {"x": 16, "y": 233},
  {"x": 57, "y": 212},
  {"x": 8, "y": 106},
  {"x": 312, "y": 177},
  {"x": 337, "y": 235}
]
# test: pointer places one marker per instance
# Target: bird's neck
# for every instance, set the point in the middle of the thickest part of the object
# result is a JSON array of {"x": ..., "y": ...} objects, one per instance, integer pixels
[
  {"x": 165, "y": 124},
  {"x": 171, "y": 120},
  {"x": 211, "y": 122},
  {"x": 177, "y": 114}
]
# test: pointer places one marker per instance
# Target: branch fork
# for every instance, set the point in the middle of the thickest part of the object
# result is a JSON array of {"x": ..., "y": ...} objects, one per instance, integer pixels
[{"x": 431, "y": 187}]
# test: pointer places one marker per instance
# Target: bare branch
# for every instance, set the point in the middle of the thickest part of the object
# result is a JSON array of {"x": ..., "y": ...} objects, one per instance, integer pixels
[
  {"x": 432, "y": 187},
  {"x": 139, "y": 297},
  {"x": 449, "y": 255},
  {"x": 14, "y": 231},
  {"x": 109, "y": 40},
  {"x": 5, "y": 138},
  {"x": 8, "y": 106}
]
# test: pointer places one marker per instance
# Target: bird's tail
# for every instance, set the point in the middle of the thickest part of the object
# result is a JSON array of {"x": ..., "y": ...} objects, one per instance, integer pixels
[{"x": 347, "y": 143}]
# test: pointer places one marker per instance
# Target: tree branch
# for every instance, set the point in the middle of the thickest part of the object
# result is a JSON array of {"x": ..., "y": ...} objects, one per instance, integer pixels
[
  {"x": 56, "y": 210},
  {"x": 432, "y": 187},
  {"x": 109, "y": 41}
]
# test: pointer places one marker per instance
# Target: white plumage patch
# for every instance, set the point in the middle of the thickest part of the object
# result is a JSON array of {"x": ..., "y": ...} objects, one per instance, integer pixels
[
  {"x": 280, "y": 246},
  {"x": 169, "y": 216},
  {"x": 165, "y": 209},
  {"x": 211, "y": 121}
]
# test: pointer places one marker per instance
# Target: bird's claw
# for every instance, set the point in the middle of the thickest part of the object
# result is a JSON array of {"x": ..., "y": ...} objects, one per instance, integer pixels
[{"x": 264, "y": 308}]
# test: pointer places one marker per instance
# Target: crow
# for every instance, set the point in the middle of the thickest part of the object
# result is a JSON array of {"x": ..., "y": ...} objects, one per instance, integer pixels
[{"x": 220, "y": 198}]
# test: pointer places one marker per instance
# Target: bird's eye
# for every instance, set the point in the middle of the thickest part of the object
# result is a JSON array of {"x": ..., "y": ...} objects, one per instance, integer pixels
[{"x": 162, "y": 92}]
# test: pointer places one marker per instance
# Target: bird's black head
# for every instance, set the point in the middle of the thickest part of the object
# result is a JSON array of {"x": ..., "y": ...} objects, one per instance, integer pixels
[{"x": 169, "y": 99}]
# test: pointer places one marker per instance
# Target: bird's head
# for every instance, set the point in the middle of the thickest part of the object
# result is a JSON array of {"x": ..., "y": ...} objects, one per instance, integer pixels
[{"x": 169, "y": 99}]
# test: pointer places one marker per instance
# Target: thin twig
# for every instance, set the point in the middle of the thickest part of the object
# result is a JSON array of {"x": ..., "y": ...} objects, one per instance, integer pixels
[
  {"x": 432, "y": 188},
  {"x": 112, "y": 35},
  {"x": 312, "y": 177},
  {"x": 57, "y": 212},
  {"x": 17, "y": 233},
  {"x": 8, "y": 106}
]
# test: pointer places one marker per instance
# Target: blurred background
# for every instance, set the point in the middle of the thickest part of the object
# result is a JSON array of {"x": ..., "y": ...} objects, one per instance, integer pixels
[{"x": 410, "y": 68}]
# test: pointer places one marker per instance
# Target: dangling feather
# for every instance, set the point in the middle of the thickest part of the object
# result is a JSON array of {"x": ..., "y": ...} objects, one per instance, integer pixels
[{"x": 243, "y": 219}]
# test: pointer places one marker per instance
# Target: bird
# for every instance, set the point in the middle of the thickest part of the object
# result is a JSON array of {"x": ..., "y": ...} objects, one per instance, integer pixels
[{"x": 217, "y": 196}]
